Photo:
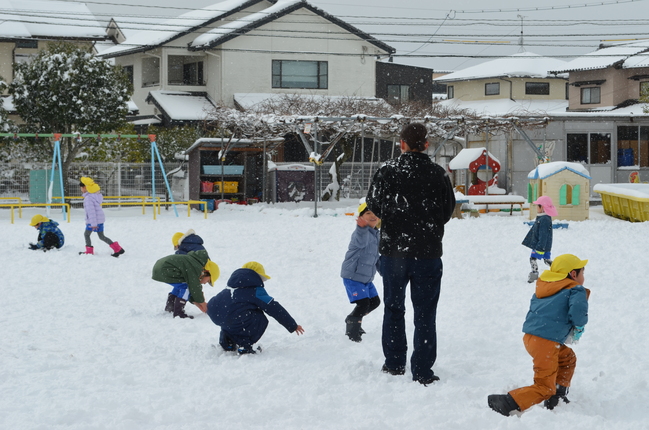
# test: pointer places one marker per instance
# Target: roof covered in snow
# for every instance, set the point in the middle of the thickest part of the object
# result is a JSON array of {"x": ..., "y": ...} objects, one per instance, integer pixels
[
  {"x": 29, "y": 19},
  {"x": 182, "y": 106},
  {"x": 465, "y": 157},
  {"x": 522, "y": 65},
  {"x": 220, "y": 29},
  {"x": 629, "y": 55},
  {"x": 546, "y": 170},
  {"x": 250, "y": 100},
  {"x": 506, "y": 106}
]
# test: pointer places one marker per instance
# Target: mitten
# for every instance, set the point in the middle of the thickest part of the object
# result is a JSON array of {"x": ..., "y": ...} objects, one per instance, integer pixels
[
  {"x": 577, "y": 331},
  {"x": 33, "y": 246}
]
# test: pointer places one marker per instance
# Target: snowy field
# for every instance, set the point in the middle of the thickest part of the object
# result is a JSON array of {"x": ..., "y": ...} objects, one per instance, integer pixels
[{"x": 87, "y": 345}]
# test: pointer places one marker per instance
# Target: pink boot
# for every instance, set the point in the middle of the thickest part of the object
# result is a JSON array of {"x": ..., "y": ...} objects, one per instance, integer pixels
[
  {"x": 117, "y": 249},
  {"x": 89, "y": 250}
]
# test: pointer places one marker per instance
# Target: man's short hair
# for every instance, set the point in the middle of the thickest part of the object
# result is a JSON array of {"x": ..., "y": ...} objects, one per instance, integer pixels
[{"x": 414, "y": 135}]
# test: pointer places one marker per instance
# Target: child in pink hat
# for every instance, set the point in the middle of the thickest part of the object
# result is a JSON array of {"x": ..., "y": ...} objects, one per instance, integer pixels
[{"x": 539, "y": 238}]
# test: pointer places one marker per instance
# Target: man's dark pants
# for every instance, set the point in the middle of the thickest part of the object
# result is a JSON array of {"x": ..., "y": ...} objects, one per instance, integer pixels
[{"x": 424, "y": 276}]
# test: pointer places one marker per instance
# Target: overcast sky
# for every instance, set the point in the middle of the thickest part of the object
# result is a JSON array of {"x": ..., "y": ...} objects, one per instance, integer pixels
[{"x": 429, "y": 35}]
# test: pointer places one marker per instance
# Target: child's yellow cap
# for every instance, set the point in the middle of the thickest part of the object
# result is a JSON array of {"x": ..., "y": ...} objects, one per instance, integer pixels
[
  {"x": 561, "y": 266},
  {"x": 258, "y": 268}
]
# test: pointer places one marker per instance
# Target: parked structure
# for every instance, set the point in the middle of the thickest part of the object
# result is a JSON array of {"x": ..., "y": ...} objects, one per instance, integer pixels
[
  {"x": 398, "y": 83},
  {"x": 567, "y": 184}
]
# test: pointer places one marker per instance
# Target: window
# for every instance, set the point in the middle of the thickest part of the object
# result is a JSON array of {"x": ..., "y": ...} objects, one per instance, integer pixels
[
  {"x": 532, "y": 192},
  {"x": 300, "y": 74},
  {"x": 185, "y": 70},
  {"x": 492, "y": 89},
  {"x": 569, "y": 195},
  {"x": 644, "y": 89},
  {"x": 450, "y": 92},
  {"x": 590, "y": 95},
  {"x": 567, "y": 91},
  {"x": 538, "y": 88},
  {"x": 33, "y": 44},
  {"x": 633, "y": 146},
  {"x": 150, "y": 71},
  {"x": 589, "y": 148},
  {"x": 398, "y": 93},
  {"x": 24, "y": 58},
  {"x": 129, "y": 72}
]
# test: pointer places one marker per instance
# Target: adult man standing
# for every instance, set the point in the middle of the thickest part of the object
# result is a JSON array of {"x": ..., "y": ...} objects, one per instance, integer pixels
[{"x": 414, "y": 198}]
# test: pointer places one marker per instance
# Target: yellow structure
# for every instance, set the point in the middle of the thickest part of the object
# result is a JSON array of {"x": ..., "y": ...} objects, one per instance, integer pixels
[
  {"x": 567, "y": 184},
  {"x": 625, "y": 201}
]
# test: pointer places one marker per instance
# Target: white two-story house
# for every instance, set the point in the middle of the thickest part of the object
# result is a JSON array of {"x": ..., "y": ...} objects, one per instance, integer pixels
[{"x": 241, "y": 51}]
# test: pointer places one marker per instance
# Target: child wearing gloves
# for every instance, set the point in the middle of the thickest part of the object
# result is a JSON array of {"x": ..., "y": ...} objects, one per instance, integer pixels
[
  {"x": 50, "y": 235},
  {"x": 557, "y": 316}
]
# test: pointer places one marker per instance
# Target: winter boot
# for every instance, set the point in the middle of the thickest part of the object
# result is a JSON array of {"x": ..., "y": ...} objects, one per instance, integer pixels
[
  {"x": 179, "y": 308},
  {"x": 502, "y": 403},
  {"x": 533, "y": 276},
  {"x": 553, "y": 401},
  {"x": 118, "y": 250},
  {"x": 169, "y": 307},
  {"x": 353, "y": 328},
  {"x": 89, "y": 250}
]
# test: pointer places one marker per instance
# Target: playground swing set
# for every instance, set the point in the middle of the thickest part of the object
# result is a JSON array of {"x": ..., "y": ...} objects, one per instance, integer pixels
[{"x": 56, "y": 161}]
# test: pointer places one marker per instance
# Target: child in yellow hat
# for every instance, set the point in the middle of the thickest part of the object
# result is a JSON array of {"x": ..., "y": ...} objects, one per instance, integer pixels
[
  {"x": 241, "y": 307},
  {"x": 95, "y": 218},
  {"x": 358, "y": 270},
  {"x": 557, "y": 316},
  {"x": 50, "y": 235}
]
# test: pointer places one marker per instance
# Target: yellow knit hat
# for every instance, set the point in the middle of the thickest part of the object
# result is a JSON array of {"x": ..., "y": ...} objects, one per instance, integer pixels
[
  {"x": 258, "y": 268},
  {"x": 561, "y": 266},
  {"x": 214, "y": 270},
  {"x": 37, "y": 219},
  {"x": 90, "y": 185}
]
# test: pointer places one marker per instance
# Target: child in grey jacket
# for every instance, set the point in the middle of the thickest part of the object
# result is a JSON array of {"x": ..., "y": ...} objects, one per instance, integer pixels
[{"x": 358, "y": 270}]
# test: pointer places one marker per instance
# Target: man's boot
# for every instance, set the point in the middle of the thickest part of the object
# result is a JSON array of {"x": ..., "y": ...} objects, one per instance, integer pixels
[
  {"x": 353, "y": 328},
  {"x": 553, "y": 401},
  {"x": 169, "y": 307},
  {"x": 179, "y": 308}
]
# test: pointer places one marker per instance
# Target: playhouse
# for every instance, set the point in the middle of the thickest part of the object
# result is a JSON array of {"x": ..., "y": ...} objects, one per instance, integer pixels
[
  {"x": 478, "y": 167},
  {"x": 567, "y": 184}
]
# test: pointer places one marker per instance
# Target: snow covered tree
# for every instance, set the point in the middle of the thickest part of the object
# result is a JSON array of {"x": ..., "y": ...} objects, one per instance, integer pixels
[{"x": 66, "y": 89}]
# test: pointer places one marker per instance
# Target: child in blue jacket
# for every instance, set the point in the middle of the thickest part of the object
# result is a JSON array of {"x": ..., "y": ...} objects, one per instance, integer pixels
[
  {"x": 49, "y": 234},
  {"x": 241, "y": 307},
  {"x": 358, "y": 270},
  {"x": 539, "y": 238},
  {"x": 187, "y": 242},
  {"x": 557, "y": 316}
]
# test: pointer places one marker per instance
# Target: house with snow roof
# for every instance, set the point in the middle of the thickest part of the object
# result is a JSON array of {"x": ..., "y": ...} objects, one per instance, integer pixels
[
  {"x": 28, "y": 26},
  {"x": 567, "y": 184},
  {"x": 236, "y": 51}
]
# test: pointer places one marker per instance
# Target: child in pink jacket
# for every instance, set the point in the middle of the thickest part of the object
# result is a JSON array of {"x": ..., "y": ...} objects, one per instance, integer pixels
[{"x": 95, "y": 218}]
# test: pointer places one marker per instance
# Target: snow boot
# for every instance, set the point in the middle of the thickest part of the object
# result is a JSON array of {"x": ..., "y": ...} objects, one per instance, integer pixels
[
  {"x": 353, "y": 328},
  {"x": 179, "y": 308},
  {"x": 502, "y": 403},
  {"x": 89, "y": 250},
  {"x": 553, "y": 401},
  {"x": 533, "y": 276},
  {"x": 169, "y": 307},
  {"x": 118, "y": 250},
  {"x": 395, "y": 372}
]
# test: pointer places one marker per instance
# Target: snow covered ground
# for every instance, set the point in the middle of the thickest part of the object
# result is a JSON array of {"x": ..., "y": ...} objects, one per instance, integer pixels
[{"x": 87, "y": 345}]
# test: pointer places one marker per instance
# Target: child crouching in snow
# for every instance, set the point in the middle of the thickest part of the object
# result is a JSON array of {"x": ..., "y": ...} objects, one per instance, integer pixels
[
  {"x": 358, "y": 270},
  {"x": 49, "y": 234},
  {"x": 557, "y": 316},
  {"x": 187, "y": 242},
  {"x": 240, "y": 310},
  {"x": 185, "y": 273}
]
